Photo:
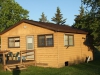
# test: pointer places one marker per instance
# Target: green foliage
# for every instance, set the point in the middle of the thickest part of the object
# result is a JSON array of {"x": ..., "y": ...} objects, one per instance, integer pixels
[
  {"x": 58, "y": 19},
  {"x": 43, "y": 18},
  {"x": 79, "y": 19},
  {"x": 89, "y": 20},
  {"x": 10, "y": 13}
]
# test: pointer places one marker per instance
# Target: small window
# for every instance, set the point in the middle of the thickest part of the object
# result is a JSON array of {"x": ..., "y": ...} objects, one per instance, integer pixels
[
  {"x": 45, "y": 40},
  {"x": 13, "y": 42},
  {"x": 68, "y": 40},
  {"x": 30, "y": 45},
  {"x": 29, "y": 41}
]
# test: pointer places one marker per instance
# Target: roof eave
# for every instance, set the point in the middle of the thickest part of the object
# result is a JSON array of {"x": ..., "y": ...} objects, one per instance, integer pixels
[{"x": 44, "y": 26}]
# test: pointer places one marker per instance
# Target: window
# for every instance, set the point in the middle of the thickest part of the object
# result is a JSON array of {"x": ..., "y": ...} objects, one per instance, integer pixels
[
  {"x": 68, "y": 40},
  {"x": 13, "y": 42},
  {"x": 45, "y": 40},
  {"x": 30, "y": 45}
]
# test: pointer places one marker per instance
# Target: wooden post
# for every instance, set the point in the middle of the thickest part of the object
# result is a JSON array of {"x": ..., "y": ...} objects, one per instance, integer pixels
[
  {"x": 20, "y": 57},
  {"x": 35, "y": 56},
  {"x": 4, "y": 61}
]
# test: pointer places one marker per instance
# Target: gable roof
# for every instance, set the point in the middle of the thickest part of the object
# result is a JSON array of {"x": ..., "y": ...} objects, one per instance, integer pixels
[{"x": 50, "y": 26}]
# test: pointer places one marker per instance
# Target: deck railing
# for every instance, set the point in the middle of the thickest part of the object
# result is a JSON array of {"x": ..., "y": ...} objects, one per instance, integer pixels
[
  {"x": 4, "y": 52},
  {"x": 22, "y": 53}
]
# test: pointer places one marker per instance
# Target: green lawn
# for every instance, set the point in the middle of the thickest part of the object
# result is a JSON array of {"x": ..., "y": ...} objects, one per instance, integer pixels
[{"x": 91, "y": 68}]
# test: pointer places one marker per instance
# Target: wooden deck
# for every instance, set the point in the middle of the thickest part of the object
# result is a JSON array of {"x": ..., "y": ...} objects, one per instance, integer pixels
[
  {"x": 18, "y": 62},
  {"x": 12, "y": 64}
]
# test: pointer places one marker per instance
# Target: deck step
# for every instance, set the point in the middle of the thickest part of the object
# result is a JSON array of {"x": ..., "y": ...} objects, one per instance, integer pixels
[
  {"x": 15, "y": 67},
  {"x": 18, "y": 65},
  {"x": 14, "y": 64}
]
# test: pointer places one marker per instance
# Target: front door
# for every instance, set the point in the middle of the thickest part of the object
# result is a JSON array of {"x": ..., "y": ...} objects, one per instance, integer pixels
[{"x": 30, "y": 46}]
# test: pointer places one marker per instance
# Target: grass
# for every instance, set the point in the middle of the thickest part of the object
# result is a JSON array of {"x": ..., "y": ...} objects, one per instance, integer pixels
[
  {"x": 91, "y": 68},
  {"x": 97, "y": 53}
]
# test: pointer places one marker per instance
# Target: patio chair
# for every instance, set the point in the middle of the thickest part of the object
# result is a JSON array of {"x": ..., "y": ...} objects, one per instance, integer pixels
[
  {"x": 16, "y": 55},
  {"x": 9, "y": 55}
]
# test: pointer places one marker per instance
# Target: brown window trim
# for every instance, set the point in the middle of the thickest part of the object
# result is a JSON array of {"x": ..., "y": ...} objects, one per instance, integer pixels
[
  {"x": 68, "y": 39},
  {"x": 15, "y": 41},
  {"x": 45, "y": 40}
]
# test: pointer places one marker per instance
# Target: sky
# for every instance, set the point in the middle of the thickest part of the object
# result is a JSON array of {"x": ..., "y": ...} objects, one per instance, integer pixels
[{"x": 69, "y": 8}]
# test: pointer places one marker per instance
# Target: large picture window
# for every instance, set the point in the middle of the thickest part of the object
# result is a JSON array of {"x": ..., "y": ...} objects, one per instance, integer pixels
[
  {"x": 68, "y": 40},
  {"x": 45, "y": 40},
  {"x": 14, "y": 42}
]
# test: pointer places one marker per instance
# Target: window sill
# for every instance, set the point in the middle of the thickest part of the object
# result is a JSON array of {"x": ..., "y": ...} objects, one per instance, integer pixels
[
  {"x": 69, "y": 46},
  {"x": 45, "y": 46},
  {"x": 13, "y": 47}
]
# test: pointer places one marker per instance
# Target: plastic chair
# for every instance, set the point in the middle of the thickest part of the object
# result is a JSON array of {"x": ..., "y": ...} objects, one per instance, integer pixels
[
  {"x": 16, "y": 55},
  {"x": 10, "y": 54}
]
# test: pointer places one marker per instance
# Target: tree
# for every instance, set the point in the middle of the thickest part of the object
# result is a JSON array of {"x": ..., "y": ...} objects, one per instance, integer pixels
[
  {"x": 90, "y": 21},
  {"x": 43, "y": 18},
  {"x": 94, "y": 18},
  {"x": 10, "y": 13},
  {"x": 79, "y": 19},
  {"x": 58, "y": 19}
]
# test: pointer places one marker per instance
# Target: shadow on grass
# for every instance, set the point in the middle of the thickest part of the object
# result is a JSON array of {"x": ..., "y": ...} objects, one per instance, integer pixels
[
  {"x": 96, "y": 53},
  {"x": 16, "y": 71},
  {"x": 93, "y": 67}
]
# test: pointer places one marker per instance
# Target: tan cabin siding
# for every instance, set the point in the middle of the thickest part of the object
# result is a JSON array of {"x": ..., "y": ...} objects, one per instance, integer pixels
[
  {"x": 73, "y": 54},
  {"x": 52, "y": 56},
  {"x": 43, "y": 54}
]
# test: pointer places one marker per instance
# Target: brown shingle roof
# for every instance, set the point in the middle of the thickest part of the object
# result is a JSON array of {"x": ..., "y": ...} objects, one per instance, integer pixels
[{"x": 51, "y": 26}]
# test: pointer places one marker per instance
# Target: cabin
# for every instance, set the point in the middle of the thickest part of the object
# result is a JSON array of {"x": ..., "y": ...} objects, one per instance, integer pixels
[{"x": 53, "y": 45}]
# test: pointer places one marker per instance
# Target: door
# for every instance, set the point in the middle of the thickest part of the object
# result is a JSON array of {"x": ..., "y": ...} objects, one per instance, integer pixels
[{"x": 30, "y": 46}]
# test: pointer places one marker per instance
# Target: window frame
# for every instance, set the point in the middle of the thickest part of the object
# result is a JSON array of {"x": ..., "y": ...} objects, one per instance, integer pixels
[
  {"x": 68, "y": 39},
  {"x": 45, "y": 40},
  {"x": 14, "y": 42},
  {"x": 32, "y": 42}
]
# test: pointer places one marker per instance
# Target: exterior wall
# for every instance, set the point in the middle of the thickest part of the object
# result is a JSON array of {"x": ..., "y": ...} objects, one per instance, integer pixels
[
  {"x": 73, "y": 54},
  {"x": 46, "y": 55},
  {"x": 53, "y": 56}
]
